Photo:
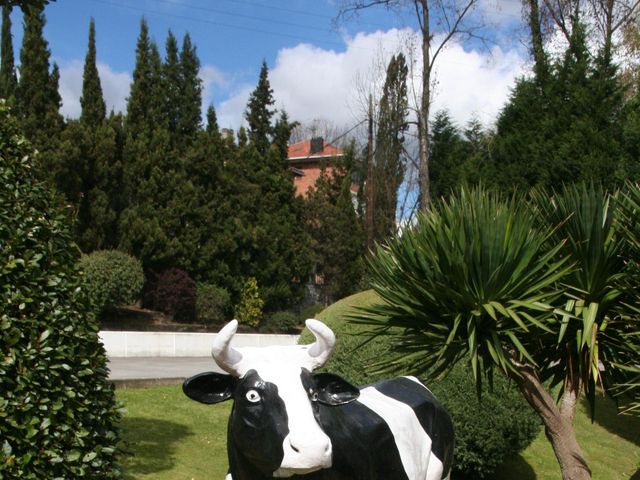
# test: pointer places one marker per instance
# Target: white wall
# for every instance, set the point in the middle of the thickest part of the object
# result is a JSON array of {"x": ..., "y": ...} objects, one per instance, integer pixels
[{"x": 176, "y": 344}]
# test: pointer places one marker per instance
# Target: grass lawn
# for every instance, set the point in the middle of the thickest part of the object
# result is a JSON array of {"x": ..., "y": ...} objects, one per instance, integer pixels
[
  {"x": 170, "y": 437},
  {"x": 174, "y": 438}
]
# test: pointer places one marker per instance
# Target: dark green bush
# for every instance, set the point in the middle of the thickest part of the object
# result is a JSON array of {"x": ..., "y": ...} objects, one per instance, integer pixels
[
  {"x": 488, "y": 432},
  {"x": 58, "y": 414},
  {"x": 281, "y": 322},
  {"x": 112, "y": 278},
  {"x": 311, "y": 311},
  {"x": 212, "y": 303},
  {"x": 173, "y": 292}
]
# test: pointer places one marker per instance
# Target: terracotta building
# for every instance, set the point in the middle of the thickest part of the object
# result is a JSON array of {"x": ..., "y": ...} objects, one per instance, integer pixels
[{"x": 307, "y": 159}]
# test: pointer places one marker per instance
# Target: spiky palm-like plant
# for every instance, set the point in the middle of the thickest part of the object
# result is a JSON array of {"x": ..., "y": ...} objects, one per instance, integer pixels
[{"x": 531, "y": 289}]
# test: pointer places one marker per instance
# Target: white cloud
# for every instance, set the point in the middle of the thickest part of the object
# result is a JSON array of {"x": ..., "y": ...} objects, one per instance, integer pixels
[
  {"x": 310, "y": 82},
  {"x": 115, "y": 87},
  {"x": 212, "y": 78}
]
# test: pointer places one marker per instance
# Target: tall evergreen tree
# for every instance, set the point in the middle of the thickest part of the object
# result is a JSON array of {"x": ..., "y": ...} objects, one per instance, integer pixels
[
  {"x": 389, "y": 167},
  {"x": 212, "y": 121},
  {"x": 447, "y": 155},
  {"x": 172, "y": 80},
  {"x": 259, "y": 112},
  {"x": 92, "y": 102},
  {"x": 282, "y": 133},
  {"x": 140, "y": 106},
  {"x": 191, "y": 94},
  {"x": 8, "y": 79},
  {"x": 38, "y": 99}
]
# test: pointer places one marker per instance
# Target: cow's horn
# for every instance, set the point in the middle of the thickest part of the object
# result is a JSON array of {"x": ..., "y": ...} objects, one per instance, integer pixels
[
  {"x": 321, "y": 349},
  {"x": 227, "y": 357}
]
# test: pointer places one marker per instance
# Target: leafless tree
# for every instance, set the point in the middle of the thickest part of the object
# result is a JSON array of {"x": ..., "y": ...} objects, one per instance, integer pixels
[{"x": 439, "y": 21}]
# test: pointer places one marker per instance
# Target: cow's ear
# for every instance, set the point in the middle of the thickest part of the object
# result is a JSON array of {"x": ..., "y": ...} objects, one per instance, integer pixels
[
  {"x": 334, "y": 390},
  {"x": 209, "y": 387}
]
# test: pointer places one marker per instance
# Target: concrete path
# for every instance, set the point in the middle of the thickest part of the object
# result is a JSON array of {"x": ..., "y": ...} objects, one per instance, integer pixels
[{"x": 157, "y": 370}]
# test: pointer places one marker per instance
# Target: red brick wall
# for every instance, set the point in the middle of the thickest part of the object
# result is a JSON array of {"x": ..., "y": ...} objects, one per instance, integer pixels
[{"x": 311, "y": 174}]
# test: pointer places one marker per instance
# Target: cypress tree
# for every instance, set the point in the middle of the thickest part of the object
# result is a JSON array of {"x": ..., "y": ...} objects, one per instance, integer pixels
[
  {"x": 92, "y": 102},
  {"x": 37, "y": 97},
  {"x": 212, "y": 121},
  {"x": 8, "y": 79},
  {"x": 282, "y": 133},
  {"x": 191, "y": 95},
  {"x": 172, "y": 80},
  {"x": 258, "y": 113},
  {"x": 139, "y": 103},
  {"x": 389, "y": 168},
  {"x": 447, "y": 155}
]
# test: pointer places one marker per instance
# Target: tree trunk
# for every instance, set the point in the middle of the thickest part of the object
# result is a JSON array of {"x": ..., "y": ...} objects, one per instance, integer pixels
[
  {"x": 425, "y": 103},
  {"x": 558, "y": 421}
]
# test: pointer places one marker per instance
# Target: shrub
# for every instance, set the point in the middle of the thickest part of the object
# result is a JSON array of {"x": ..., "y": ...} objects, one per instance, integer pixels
[
  {"x": 281, "y": 322},
  {"x": 112, "y": 278},
  {"x": 173, "y": 292},
  {"x": 488, "y": 431},
  {"x": 212, "y": 303},
  {"x": 311, "y": 311},
  {"x": 249, "y": 309},
  {"x": 58, "y": 415}
]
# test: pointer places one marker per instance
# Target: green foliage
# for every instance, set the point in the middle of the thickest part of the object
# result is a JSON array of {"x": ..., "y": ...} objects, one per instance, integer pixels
[
  {"x": 281, "y": 322},
  {"x": 212, "y": 303},
  {"x": 488, "y": 431},
  {"x": 248, "y": 311},
  {"x": 564, "y": 127},
  {"x": 593, "y": 331},
  {"x": 8, "y": 78},
  {"x": 311, "y": 311},
  {"x": 389, "y": 168},
  {"x": 259, "y": 113},
  {"x": 337, "y": 234},
  {"x": 38, "y": 100},
  {"x": 172, "y": 292},
  {"x": 472, "y": 278},
  {"x": 58, "y": 415},
  {"x": 93, "y": 107},
  {"x": 111, "y": 278}
]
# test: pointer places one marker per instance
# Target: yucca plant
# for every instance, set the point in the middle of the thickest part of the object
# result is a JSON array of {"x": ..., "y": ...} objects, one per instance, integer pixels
[
  {"x": 591, "y": 342},
  {"x": 472, "y": 278},
  {"x": 531, "y": 289},
  {"x": 628, "y": 387}
]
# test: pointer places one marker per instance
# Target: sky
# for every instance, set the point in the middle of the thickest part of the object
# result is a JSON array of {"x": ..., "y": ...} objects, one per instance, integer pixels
[{"x": 318, "y": 68}]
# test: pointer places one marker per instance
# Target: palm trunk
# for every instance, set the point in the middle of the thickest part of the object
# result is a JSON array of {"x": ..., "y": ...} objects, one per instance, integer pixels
[{"x": 557, "y": 420}]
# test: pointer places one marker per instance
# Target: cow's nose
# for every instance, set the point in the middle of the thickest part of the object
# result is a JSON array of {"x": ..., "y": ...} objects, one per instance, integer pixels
[{"x": 300, "y": 444}]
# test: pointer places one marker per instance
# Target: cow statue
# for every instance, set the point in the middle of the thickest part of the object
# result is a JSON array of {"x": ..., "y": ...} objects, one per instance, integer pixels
[{"x": 288, "y": 422}]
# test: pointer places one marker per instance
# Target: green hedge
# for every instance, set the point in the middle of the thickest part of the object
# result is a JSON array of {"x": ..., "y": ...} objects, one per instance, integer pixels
[
  {"x": 488, "y": 431},
  {"x": 112, "y": 278},
  {"x": 212, "y": 304},
  {"x": 58, "y": 416}
]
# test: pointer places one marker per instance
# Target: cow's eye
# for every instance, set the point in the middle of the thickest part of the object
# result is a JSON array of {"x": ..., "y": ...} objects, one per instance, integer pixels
[
  {"x": 253, "y": 396},
  {"x": 314, "y": 396}
]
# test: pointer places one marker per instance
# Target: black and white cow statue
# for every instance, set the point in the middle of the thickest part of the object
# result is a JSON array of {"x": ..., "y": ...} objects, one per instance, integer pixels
[{"x": 288, "y": 422}]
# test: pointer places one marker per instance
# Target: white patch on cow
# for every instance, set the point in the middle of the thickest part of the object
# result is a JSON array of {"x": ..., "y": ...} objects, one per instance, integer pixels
[
  {"x": 412, "y": 441},
  {"x": 306, "y": 448},
  {"x": 228, "y": 477}
]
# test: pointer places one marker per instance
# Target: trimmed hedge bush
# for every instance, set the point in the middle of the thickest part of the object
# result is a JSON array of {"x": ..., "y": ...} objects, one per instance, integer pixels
[
  {"x": 58, "y": 415},
  {"x": 488, "y": 431},
  {"x": 212, "y": 303},
  {"x": 173, "y": 292},
  {"x": 281, "y": 322},
  {"x": 112, "y": 278}
]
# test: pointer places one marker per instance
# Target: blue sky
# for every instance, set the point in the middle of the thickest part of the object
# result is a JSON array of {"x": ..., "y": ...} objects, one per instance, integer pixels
[{"x": 316, "y": 68}]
